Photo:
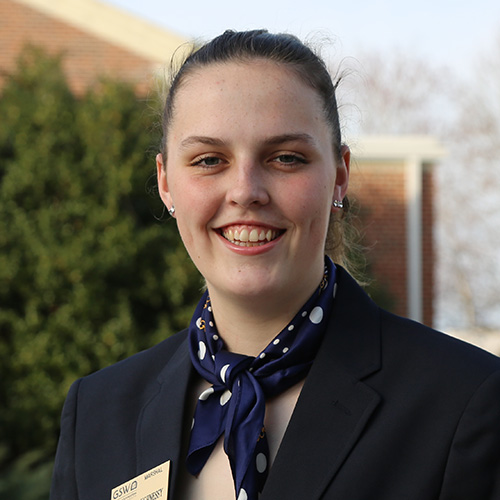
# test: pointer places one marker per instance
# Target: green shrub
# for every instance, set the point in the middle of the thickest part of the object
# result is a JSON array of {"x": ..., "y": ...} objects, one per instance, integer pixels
[{"x": 88, "y": 276}]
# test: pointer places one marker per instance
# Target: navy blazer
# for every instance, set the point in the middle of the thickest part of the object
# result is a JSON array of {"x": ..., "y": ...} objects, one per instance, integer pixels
[{"x": 390, "y": 410}]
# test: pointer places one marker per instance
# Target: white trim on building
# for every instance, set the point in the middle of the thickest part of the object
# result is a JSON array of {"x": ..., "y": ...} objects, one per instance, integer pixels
[{"x": 114, "y": 25}]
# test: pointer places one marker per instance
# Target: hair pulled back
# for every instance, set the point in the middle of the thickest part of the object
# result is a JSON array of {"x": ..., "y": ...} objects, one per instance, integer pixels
[
  {"x": 281, "y": 48},
  {"x": 244, "y": 46}
]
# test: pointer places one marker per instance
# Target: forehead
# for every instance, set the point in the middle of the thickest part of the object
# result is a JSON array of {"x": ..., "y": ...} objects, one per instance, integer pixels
[
  {"x": 236, "y": 73},
  {"x": 243, "y": 90}
]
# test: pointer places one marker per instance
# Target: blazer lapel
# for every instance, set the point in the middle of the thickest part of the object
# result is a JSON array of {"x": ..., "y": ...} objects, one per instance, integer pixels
[
  {"x": 160, "y": 428},
  {"x": 334, "y": 406}
]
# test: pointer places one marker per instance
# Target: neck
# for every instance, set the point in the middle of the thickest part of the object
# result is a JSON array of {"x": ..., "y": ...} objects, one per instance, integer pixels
[{"x": 247, "y": 326}]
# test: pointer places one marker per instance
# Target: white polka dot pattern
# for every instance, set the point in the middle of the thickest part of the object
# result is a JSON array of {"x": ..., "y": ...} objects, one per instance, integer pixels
[
  {"x": 202, "y": 350},
  {"x": 285, "y": 360},
  {"x": 316, "y": 315},
  {"x": 261, "y": 462},
  {"x": 226, "y": 396},
  {"x": 204, "y": 395},
  {"x": 223, "y": 371}
]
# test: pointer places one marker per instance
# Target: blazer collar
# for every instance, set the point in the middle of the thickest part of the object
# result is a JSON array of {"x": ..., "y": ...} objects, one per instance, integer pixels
[
  {"x": 331, "y": 413},
  {"x": 334, "y": 405},
  {"x": 161, "y": 424},
  {"x": 354, "y": 326}
]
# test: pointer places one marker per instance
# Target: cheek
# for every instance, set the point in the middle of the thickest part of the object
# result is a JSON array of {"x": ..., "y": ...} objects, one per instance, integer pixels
[
  {"x": 195, "y": 206},
  {"x": 310, "y": 199},
  {"x": 189, "y": 195}
]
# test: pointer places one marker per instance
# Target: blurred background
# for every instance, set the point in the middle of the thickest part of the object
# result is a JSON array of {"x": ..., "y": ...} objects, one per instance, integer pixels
[{"x": 91, "y": 269}]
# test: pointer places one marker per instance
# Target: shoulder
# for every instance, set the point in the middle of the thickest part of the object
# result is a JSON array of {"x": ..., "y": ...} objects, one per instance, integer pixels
[
  {"x": 434, "y": 351},
  {"x": 135, "y": 374},
  {"x": 425, "y": 368},
  {"x": 438, "y": 403},
  {"x": 404, "y": 347}
]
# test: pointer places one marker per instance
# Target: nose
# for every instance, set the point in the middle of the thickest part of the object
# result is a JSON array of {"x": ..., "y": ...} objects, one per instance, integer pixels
[{"x": 248, "y": 186}]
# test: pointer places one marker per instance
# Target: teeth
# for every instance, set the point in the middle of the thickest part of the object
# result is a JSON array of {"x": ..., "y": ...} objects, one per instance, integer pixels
[
  {"x": 246, "y": 238},
  {"x": 244, "y": 235}
]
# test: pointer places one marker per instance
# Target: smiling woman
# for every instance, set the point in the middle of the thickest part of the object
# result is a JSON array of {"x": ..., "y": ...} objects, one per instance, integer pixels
[
  {"x": 251, "y": 153},
  {"x": 289, "y": 382}
]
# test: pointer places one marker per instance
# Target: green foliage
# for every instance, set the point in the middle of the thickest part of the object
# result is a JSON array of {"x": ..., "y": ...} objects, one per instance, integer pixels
[
  {"x": 28, "y": 478},
  {"x": 88, "y": 276}
]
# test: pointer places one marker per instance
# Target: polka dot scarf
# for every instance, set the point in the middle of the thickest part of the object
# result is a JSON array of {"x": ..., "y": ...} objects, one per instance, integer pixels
[{"x": 235, "y": 403}]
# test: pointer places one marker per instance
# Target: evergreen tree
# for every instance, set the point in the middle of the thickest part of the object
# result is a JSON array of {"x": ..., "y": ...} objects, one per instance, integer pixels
[{"x": 88, "y": 276}]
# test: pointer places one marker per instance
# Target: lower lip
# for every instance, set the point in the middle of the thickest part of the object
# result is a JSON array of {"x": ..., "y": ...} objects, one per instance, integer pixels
[{"x": 251, "y": 250}]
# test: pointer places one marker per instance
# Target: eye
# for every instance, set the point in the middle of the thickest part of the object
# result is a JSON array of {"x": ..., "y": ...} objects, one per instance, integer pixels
[
  {"x": 289, "y": 159},
  {"x": 207, "y": 161}
]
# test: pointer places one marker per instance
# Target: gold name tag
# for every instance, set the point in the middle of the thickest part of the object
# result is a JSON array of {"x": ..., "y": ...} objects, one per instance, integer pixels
[{"x": 150, "y": 485}]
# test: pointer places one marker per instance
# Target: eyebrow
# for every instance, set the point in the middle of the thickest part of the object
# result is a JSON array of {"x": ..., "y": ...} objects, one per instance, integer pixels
[
  {"x": 275, "y": 140},
  {"x": 299, "y": 137},
  {"x": 201, "y": 139}
]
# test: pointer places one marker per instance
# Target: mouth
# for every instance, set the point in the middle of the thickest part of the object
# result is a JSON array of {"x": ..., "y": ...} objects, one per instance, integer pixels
[{"x": 250, "y": 236}]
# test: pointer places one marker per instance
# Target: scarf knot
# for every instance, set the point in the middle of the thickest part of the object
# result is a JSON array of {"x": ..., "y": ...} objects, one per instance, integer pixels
[
  {"x": 234, "y": 405},
  {"x": 229, "y": 366}
]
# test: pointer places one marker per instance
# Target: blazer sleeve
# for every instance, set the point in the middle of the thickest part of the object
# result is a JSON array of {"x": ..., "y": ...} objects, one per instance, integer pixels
[
  {"x": 64, "y": 478},
  {"x": 473, "y": 468}
]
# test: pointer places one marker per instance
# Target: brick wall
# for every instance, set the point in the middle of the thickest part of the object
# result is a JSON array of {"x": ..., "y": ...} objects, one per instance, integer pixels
[
  {"x": 428, "y": 217},
  {"x": 86, "y": 57},
  {"x": 378, "y": 189}
]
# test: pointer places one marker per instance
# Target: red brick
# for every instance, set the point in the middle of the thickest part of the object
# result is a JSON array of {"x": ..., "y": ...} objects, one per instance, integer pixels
[{"x": 86, "y": 57}]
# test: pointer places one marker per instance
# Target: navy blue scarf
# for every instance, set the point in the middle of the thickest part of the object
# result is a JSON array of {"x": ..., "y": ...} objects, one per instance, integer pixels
[{"x": 235, "y": 404}]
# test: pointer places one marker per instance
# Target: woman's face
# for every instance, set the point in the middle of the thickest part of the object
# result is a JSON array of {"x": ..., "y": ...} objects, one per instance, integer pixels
[{"x": 252, "y": 174}]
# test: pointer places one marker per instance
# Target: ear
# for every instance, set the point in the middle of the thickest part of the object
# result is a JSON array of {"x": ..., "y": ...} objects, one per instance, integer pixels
[
  {"x": 342, "y": 177},
  {"x": 161, "y": 174}
]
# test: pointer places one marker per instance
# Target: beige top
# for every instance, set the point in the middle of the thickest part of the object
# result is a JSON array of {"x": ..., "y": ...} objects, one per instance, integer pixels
[{"x": 215, "y": 481}]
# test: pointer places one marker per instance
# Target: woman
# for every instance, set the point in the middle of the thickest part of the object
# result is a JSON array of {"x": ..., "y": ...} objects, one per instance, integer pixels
[{"x": 289, "y": 382}]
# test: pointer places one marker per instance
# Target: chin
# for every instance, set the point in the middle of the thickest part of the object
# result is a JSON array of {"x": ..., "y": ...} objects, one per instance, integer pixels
[{"x": 250, "y": 289}]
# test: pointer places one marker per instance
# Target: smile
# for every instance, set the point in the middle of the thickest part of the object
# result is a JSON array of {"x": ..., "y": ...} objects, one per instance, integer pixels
[{"x": 250, "y": 236}]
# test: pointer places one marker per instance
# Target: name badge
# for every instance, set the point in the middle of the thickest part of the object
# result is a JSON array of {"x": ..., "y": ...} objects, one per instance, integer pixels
[{"x": 150, "y": 485}]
